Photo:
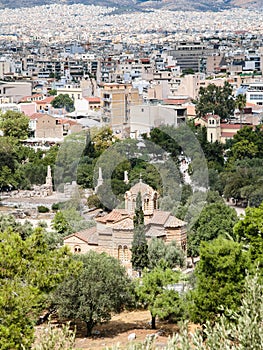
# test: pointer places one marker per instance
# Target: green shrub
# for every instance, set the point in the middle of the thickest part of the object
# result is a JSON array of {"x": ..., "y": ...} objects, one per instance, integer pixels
[{"x": 42, "y": 209}]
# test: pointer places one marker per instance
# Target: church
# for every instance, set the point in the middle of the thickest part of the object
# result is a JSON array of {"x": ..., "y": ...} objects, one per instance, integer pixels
[{"x": 113, "y": 233}]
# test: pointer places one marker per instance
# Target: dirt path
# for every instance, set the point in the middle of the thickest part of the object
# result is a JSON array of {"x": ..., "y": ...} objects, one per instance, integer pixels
[{"x": 118, "y": 329}]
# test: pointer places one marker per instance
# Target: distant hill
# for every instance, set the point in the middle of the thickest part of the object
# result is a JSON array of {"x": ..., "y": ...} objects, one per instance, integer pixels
[{"x": 200, "y": 5}]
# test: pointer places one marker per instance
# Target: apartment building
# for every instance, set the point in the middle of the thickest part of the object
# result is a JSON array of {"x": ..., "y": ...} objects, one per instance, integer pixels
[
  {"x": 14, "y": 91},
  {"x": 191, "y": 55},
  {"x": 116, "y": 101}
]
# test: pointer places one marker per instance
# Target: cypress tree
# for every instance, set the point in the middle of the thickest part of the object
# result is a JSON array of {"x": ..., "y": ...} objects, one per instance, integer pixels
[{"x": 139, "y": 248}]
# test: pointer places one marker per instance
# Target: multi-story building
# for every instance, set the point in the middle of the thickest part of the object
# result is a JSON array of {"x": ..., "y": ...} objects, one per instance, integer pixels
[
  {"x": 116, "y": 100},
  {"x": 254, "y": 93},
  {"x": 191, "y": 55}
]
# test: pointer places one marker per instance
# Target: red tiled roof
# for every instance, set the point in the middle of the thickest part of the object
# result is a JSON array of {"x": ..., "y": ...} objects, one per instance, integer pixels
[
  {"x": 170, "y": 101},
  {"x": 68, "y": 121},
  {"x": 228, "y": 134},
  {"x": 114, "y": 216},
  {"x": 153, "y": 232},
  {"x": 174, "y": 222},
  {"x": 159, "y": 217},
  {"x": 89, "y": 235},
  {"x": 231, "y": 126},
  {"x": 93, "y": 99},
  {"x": 47, "y": 100},
  {"x": 38, "y": 115},
  {"x": 124, "y": 224}
]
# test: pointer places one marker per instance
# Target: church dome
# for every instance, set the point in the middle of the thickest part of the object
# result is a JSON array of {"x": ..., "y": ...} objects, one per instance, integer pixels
[
  {"x": 141, "y": 187},
  {"x": 149, "y": 198}
]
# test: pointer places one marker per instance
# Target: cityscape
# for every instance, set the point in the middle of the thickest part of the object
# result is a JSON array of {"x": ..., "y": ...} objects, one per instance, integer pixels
[{"x": 131, "y": 181}]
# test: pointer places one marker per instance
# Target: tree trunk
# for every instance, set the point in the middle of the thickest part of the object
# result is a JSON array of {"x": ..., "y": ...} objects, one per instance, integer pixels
[
  {"x": 153, "y": 322},
  {"x": 89, "y": 325}
]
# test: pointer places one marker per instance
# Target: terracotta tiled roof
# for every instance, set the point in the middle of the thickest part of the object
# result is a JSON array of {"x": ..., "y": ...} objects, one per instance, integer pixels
[
  {"x": 93, "y": 99},
  {"x": 228, "y": 134},
  {"x": 89, "y": 235},
  {"x": 141, "y": 187},
  {"x": 125, "y": 224},
  {"x": 174, "y": 222},
  {"x": 153, "y": 232},
  {"x": 231, "y": 126},
  {"x": 159, "y": 217},
  {"x": 169, "y": 101},
  {"x": 113, "y": 217},
  {"x": 38, "y": 115},
  {"x": 47, "y": 100}
]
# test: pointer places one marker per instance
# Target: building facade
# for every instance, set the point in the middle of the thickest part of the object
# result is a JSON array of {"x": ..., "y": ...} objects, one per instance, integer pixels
[{"x": 113, "y": 233}]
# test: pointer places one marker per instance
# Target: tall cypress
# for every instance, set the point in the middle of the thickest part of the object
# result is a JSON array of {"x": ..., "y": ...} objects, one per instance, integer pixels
[{"x": 139, "y": 248}]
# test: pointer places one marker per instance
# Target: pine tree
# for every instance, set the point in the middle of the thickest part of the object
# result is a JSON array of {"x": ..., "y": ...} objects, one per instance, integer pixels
[{"x": 139, "y": 248}]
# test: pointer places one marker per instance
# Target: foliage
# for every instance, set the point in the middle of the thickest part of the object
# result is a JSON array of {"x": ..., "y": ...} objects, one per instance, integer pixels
[
  {"x": 170, "y": 253},
  {"x": 8, "y": 222},
  {"x": 30, "y": 270},
  {"x": 215, "y": 219},
  {"x": 217, "y": 100},
  {"x": 100, "y": 288},
  {"x": 63, "y": 101},
  {"x": 243, "y": 331},
  {"x": 55, "y": 338},
  {"x": 42, "y": 209},
  {"x": 240, "y": 104},
  {"x": 93, "y": 201},
  {"x": 139, "y": 247},
  {"x": 21, "y": 166},
  {"x": 220, "y": 276},
  {"x": 243, "y": 181},
  {"x": 52, "y": 92},
  {"x": 69, "y": 220},
  {"x": 154, "y": 294},
  {"x": 14, "y": 124},
  {"x": 249, "y": 231}
]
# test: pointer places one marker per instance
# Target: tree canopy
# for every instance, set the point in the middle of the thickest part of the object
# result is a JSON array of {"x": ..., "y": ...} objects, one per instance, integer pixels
[
  {"x": 220, "y": 276},
  {"x": 215, "y": 219},
  {"x": 14, "y": 124},
  {"x": 249, "y": 231},
  {"x": 63, "y": 101},
  {"x": 30, "y": 270},
  {"x": 154, "y": 292},
  {"x": 160, "y": 252},
  {"x": 100, "y": 288},
  {"x": 217, "y": 100}
]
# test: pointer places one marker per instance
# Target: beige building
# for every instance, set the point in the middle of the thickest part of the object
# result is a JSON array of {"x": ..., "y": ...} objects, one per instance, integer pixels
[
  {"x": 15, "y": 91},
  {"x": 113, "y": 232},
  {"x": 217, "y": 131},
  {"x": 47, "y": 126},
  {"x": 116, "y": 101},
  {"x": 145, "y": 117}
]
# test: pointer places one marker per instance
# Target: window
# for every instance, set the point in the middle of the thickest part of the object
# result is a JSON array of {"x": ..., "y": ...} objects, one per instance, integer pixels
[
  {"x": 77, "y": 249},
  {"x": 146, "y": 204},
  {"x": 120, "y": 253},
  {"x": 126, "y": 253}
]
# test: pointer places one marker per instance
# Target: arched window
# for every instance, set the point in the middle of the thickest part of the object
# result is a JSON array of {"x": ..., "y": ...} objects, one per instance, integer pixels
[
  {"x": 126, "y": 253},
  {"x": 120, "y": 253},
  {"x": 77, "y": 249},
  {"x": 146, "y": 204},
  {"x": 155, "y": 202}
]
